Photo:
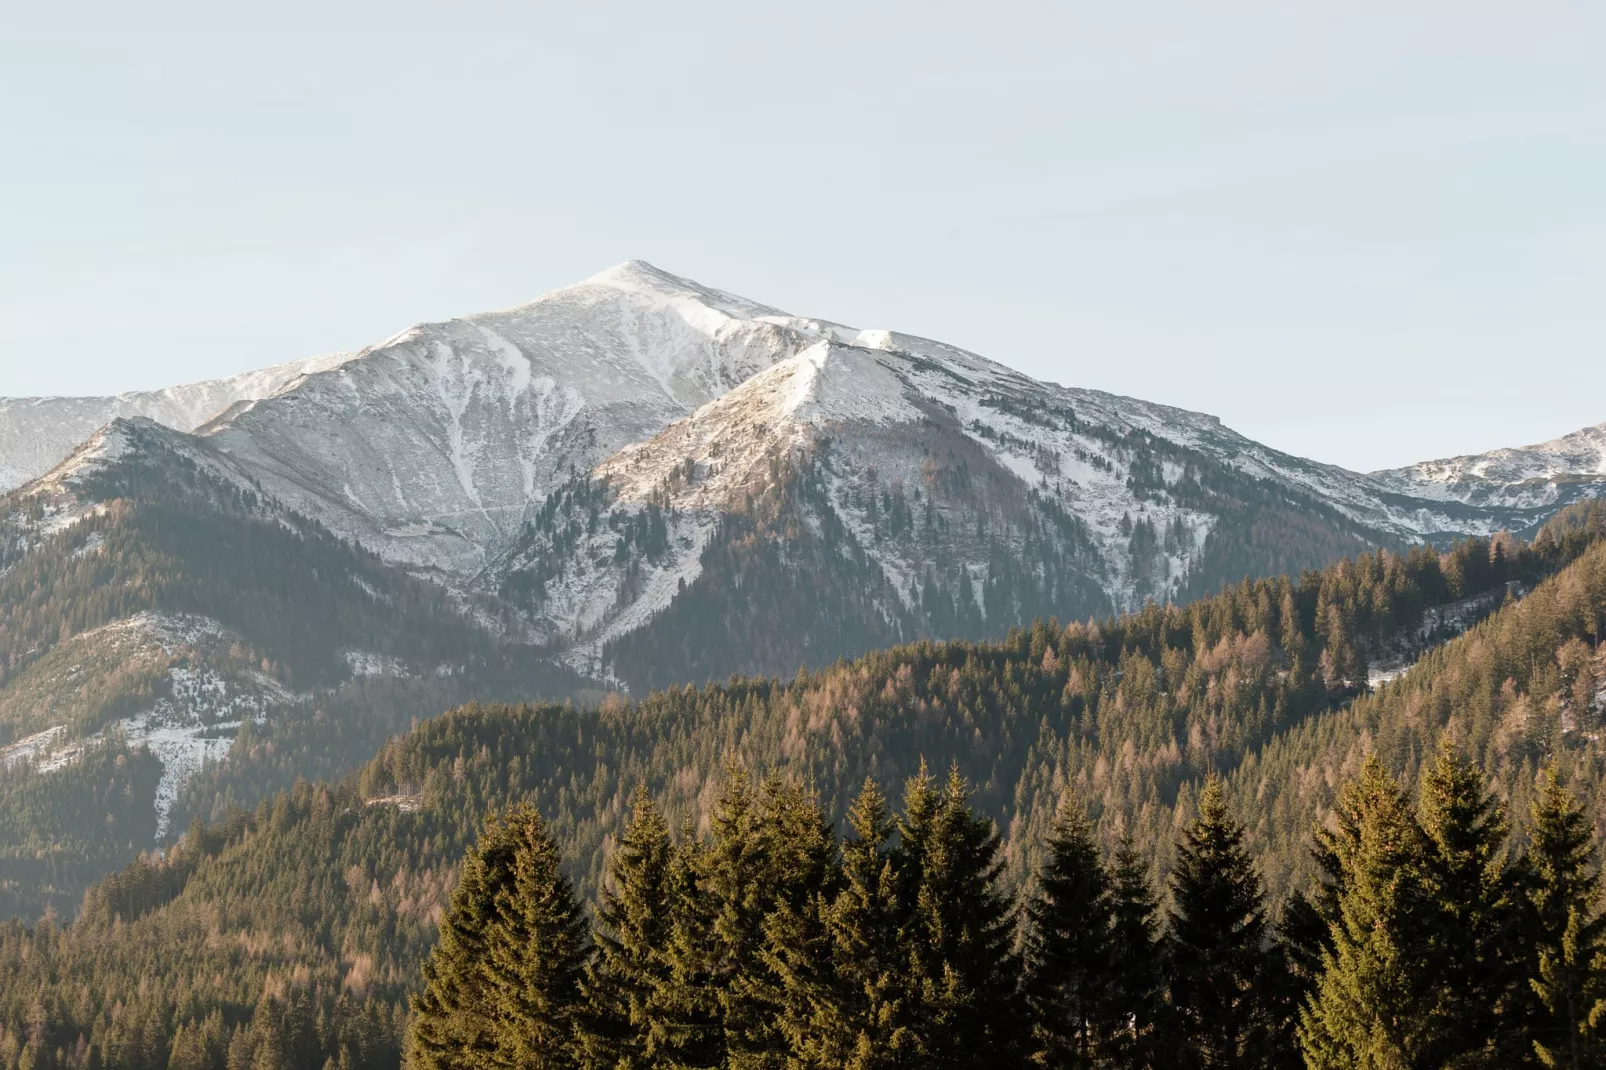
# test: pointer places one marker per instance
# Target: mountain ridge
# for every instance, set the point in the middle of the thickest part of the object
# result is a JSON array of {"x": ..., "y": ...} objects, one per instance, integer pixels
[
  {"x": 29, "y": 448},
  {"x": 1560, "y": 469},
  {"x": 440, "y": 446},
  {"x": 633, "y": 483}
]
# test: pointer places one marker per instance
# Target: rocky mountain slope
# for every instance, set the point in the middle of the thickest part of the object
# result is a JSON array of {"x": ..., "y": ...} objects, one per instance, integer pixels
[
  {"x": 36, "y": 434},
  {"x": 641, "y": 453},
  {"x": 433, "y": 447},
  {"x": 321, "y": 905},
  {"x": 632, "y": 482},
  {"x": 158, "y": 612},
  {"x": 1546, "y": 475}
]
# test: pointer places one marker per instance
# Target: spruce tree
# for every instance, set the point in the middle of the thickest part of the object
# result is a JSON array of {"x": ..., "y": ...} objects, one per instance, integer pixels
[
  {"x": 844, "y": 1005},
  {"x": 1070, "y": 951},
  {"x": 732, "y": 885},
  {"x": 962, "y": 987},
  {"x": 502, "y": 987},
  {"x": 537, "y": 949},
  {"x": 634, "y": 922},
  {"x": 1137, "y": 956},
  {"x": 769, "y": 856},
  {"x": 1373, "y": 1005},
  {"x": 1476, "y": 957},
  {"x": 1302, "y": 937},
  {"x": 454, "y": 1024},
  {"x": 1569, "y": 933},
  {"x": 685, "y": 1023},
  {"x": 798, "y": 875},
  {"x": 1217, "y": 943}
]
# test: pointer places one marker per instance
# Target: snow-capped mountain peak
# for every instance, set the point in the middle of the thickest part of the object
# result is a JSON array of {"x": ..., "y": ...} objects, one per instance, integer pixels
[
  {"x": 432, "y": 446},
  {"x": 1536, "y": 475},
  {"x": 37, "y": 433},
  {"x": 438, "y": 446},
  {"x": 723, "y": 448},
  {"x": 639, "y": 278}
]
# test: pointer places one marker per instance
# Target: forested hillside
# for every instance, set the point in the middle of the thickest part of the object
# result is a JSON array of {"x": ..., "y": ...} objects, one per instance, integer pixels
[
  {"x": 310, "y": 916},
  {"x": 179, "y": 607}
]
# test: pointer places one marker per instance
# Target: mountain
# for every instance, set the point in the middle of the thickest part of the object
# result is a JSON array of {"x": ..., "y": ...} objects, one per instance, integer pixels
[
  {"x": 958, "y": 495},
  {"x": 1547, "y": 475},
  {"x": 432, "y": 447},
  {"x": 302, "y": 925},
  {"x": 36, "y": 434},
  {"x": 157, "y": 611},
  {"x": 628, "y": 484}
]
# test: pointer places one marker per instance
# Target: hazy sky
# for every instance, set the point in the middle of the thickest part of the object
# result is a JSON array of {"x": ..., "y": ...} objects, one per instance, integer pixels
[{"x": 1370, "y": 233}]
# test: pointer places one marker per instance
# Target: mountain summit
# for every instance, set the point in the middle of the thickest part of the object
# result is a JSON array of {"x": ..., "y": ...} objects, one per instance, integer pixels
[
  {"x": 629, "y": 483},
  {"x": 440, "y": 446}
]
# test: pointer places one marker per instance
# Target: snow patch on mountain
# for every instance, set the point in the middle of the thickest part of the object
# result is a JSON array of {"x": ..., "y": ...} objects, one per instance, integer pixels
[
  {"x": 447, "y": 434},
  {"x": 438, "y": 446},
  {"x": 37, "y": 433},
  {"x": 31, "y": 748},
  {"x": 724, "y": 448},
  {"x": 1528, "y": 477}
]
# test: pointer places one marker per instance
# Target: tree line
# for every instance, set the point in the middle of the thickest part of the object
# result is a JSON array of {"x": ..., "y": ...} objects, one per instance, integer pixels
[
  {"x": 769, "y": 942},
  {"x": 294, "y": 933}
]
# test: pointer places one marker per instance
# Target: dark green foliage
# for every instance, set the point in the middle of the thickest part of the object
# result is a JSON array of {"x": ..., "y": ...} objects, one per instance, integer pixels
[
  {"x": 1076, "y": 1014},
  {"x": 1137, "y": 955},
  {"x": 502, "y": 988},
  {"x": 1475, "y": 952},
  {"x": 1569, "y": 978},
  {"x": 1439, "y": 943},
  {"x": 61, "y": 830},
  {"x": 1373, "y": 1004},
  {"x": 843, "y": 977},
  {"x": 959, "y": 931},
  {"x": 634, "y": 918},
  {"x": 1221, "y": 965},
  {"x": 332, "y": 892}
]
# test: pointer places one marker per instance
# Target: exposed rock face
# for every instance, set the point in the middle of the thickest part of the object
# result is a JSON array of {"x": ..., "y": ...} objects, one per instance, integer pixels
[
  {"x": 578, "y": 462},
  {"x": 1545, "y": 476}
]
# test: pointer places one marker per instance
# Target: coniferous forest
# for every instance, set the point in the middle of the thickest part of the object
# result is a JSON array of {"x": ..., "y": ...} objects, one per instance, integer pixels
[
  {"x": 1349, "y": 819},
  {"x": 767, "y": 942}
]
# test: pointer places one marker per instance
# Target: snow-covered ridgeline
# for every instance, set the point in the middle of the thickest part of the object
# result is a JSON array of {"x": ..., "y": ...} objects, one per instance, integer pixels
[
  {"x": 38, "y": 433},
  {"x": 435, "y": 447},
  {"x": 1524, "y": 477}
]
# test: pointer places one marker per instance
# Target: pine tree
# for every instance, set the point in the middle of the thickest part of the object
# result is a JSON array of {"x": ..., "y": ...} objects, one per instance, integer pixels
[
  {"x": 960, "y": 932},
  {"x": 1475, "y": 958},
  {"x": 843, "y": 1006},
  {"x": 454, "y": 1023},
  {"x": 634, "y": 922},
  {"x": 686, "y": 1023},
  {"x": 1373, "y": 1006},
  {"x": 1137, "y": 956},
  {"x": 1569, "y": 1030},
  {"x": 502, "y": 987},
  {"x": 798, "y": 875},
  {"x": 1217, "y": 943},
  {"x": 1070, "y": 952}
]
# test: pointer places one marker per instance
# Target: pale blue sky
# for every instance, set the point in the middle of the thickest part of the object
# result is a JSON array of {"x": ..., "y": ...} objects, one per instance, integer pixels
[{"x": 1369, "y": 233}]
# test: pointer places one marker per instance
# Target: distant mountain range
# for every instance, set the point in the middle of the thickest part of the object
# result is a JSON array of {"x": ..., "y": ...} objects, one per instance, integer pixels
[{"x": 628, "y": 483}]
